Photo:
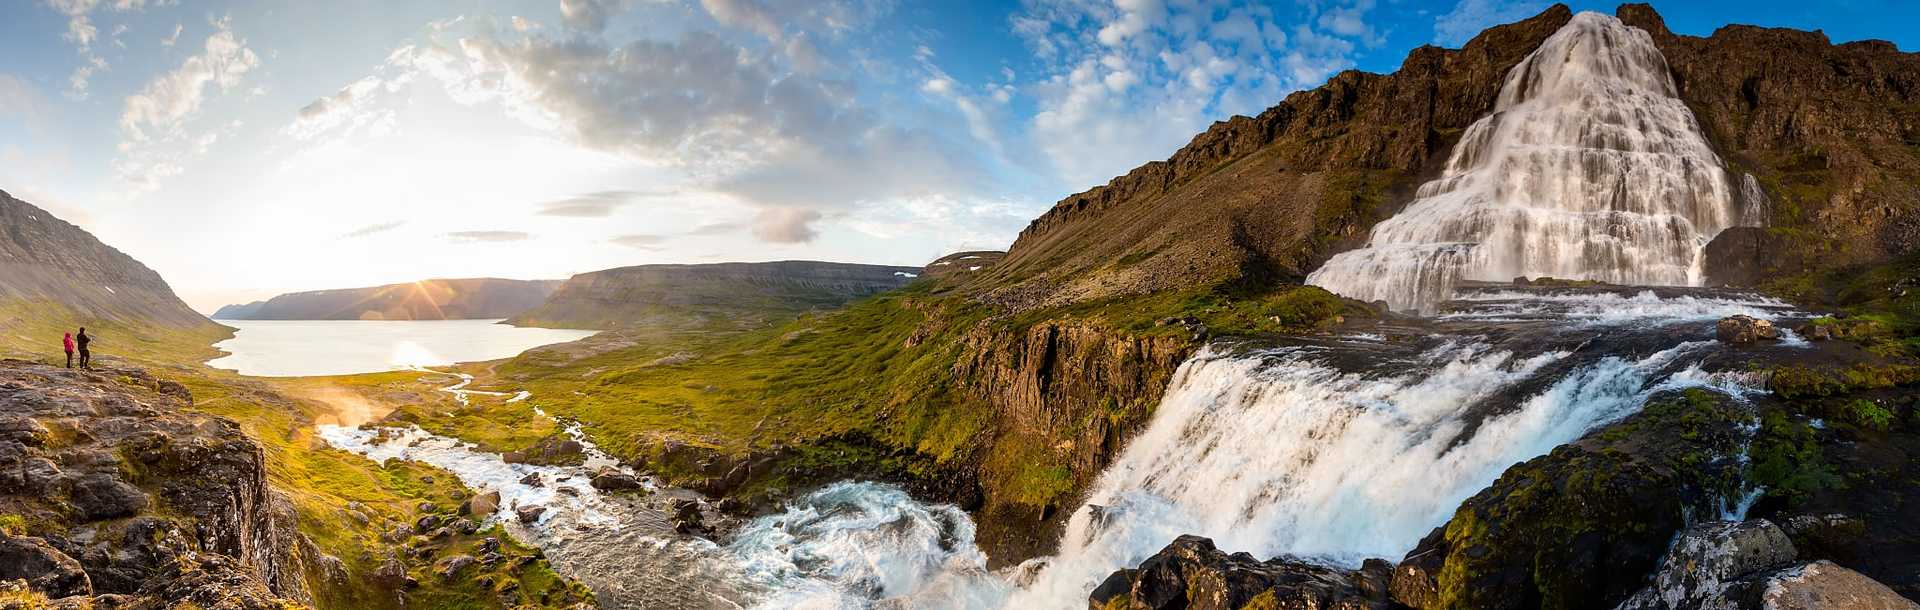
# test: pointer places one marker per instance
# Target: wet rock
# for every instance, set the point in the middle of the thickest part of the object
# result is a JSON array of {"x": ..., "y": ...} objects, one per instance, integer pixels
[
  {"x": 45, "y": 569},
  {"x": 514, "y": 457},
  {"x": 1743, "y": 329},
  {"x": 614, "y": 480},
  {"x": 1814, "y": 332},
  {"x": 687, "y": 519},
  {"x": 529, "y": 514},
  {"x": 532, "y": 480},
  {"x": 1830, "y": 535},
  {"x": 482, "y": 505},
  {"x": 1191, "y": 574},
  {"x": 449, "y": 567},
  {"x": 100, "y": 496}
]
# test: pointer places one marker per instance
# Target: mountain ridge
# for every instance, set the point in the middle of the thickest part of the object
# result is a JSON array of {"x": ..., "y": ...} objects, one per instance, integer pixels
[
  {"x": 431, "y": 299},
  {"x": 729, "y": 294},
  {"x": 51, "y": 263}
]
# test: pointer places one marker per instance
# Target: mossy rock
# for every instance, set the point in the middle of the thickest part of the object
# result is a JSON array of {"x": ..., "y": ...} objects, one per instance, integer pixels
[{"x": 1582, "y": 526}]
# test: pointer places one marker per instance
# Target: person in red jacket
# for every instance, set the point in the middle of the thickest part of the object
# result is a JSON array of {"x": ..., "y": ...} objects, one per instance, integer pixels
[{"x": 67, "y": 342}]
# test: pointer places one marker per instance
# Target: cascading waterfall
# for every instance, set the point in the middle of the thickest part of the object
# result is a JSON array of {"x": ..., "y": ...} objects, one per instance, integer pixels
[{"x": 1589, "y": 168}]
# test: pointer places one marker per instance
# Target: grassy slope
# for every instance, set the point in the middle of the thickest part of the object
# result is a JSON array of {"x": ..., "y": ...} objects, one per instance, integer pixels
[{"x": 322, "y": 482}]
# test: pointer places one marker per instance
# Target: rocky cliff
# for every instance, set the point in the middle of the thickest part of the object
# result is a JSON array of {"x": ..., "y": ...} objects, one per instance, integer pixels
[
  {"x": 47, "y": 264},
  {"x": 723, "y": 294},
  {"x": 110, "y": 488},
  {"x": 456, "y": 299},
  {"x": 1266, "y": 197},
  {"x": 1831, "y": 133},
  {"x": 1065, "y": 397}
]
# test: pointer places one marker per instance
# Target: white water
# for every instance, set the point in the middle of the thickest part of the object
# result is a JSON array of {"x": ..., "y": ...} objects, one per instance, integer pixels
[
  {"x": 300, "y": 348},
  {"x": 1589, "y": 168}
]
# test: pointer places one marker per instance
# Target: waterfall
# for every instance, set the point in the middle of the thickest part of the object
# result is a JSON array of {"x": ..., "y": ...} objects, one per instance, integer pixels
[{"x": 1589, "y": 168}]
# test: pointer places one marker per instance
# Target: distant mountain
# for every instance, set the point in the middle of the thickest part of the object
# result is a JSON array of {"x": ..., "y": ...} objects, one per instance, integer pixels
[
  {"x": 51, "y": 269},
  {"x": 456, "y": 299},
  {"x": 729, "y": 294}
]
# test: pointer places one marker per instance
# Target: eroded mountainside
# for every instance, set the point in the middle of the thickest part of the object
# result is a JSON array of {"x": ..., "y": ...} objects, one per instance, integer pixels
[
  {"x": 1269, "y": 197},
  {"x": 49, "y": 266},
  {"x": 722, "y": 294},
  {"x": 455, "y": 299}
]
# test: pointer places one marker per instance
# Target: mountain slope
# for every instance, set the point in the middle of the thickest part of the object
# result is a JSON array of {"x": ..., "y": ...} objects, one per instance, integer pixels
[
  {"x": 1265, "y": 197},
  {"x": 46, "y": 263},
  {"x": 728, "y": 294},
  {"x": 455, "y": 299}
]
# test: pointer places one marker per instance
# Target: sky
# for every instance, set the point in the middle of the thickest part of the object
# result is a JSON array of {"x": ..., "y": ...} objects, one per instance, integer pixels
[{"x": 246, "y": 149}]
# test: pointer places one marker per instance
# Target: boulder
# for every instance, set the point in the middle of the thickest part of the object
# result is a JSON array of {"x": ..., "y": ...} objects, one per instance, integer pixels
[
  {"x": 614, "y": 480},
  {"x": 100, "y": 496},
  {"x": 1814, "y": 332},
  {"x": 1823, "y": 585},
  {"x": 532, "y": 480},
  {"x": 1711, "y": 562},
  {"x": 529, "y": 514},
  {"x": 45, "y": 569},
  {"x": 687, "y": 518},
  {"x": 482, "y": 505},
  {"x": 1191, "y": 574},
  {"x": 1743, "y": 329},
  {"x": 450, "y": 566}
]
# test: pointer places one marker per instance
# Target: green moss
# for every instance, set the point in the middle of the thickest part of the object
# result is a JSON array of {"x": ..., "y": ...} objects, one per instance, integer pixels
[
  {"x": 1867, "y": 414},
  {"x": 1788, "y": 461}
]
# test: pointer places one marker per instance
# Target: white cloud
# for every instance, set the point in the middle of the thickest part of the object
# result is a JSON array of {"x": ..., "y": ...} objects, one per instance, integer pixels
[
  {"x": 591, "y": 15},
  {"x": 1132, "y": 81},
  {"x": 1469, "y": 17},
  {"x": 153, "y": 122},
  {"x": 174, "y": 37}
]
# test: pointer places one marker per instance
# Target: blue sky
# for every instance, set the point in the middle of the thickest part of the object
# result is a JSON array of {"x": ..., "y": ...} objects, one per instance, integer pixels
[{"x": 249, "y": 148}]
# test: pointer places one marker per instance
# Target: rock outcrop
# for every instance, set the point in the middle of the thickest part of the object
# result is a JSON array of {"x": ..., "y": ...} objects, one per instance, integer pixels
[
  {"x": 47, "y": 263},
  {"x": 723, "y": 294},
  {"x": 1065, "y": 397},
  {"x": 114, "y": 478},
  {"x": 460, "y": 299},
  {"x": 1190, "y": 574}
]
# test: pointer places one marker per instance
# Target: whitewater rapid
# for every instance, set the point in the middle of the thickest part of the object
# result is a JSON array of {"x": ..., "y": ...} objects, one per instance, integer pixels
[{"x": 1590, "y": 167}]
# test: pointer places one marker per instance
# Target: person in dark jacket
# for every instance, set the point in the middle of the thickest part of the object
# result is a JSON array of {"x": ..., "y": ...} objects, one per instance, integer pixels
[
  {"x": 67, "y": 342},
  {"x": 86, "y": 357}
]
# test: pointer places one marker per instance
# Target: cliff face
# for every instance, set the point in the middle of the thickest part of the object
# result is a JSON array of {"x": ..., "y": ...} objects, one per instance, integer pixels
[
  {"x": 1831, "y": 133},
  {"x": 726, "y": 294},
  {"x": 458, "y": 299},
  {"x": 1269, "y": 196},
  {"x": 1065, "y": 397},
  {"x": 120, "y": 490},
  {"x": 45, "y": 261}
]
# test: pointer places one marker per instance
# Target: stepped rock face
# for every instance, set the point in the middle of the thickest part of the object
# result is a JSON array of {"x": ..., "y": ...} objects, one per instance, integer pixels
[
  {"x": 118, "y": 480},
  {"x": 1829, "y": 131},
  {"x": 1266, "y": 197},
  {"x": 728, "y": 294},
  {"x": 457, "y": 299},
  {"x": 45, "y": 260}
]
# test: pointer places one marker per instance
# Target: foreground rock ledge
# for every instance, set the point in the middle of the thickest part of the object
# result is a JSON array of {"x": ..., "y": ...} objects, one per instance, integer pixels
[{"x": 126, "y": 499}]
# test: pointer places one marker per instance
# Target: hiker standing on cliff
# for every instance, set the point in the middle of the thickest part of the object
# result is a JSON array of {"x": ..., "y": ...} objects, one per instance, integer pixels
[
  {"x": 86, "y": 358},
  {"x": 67, "y": 342}
]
